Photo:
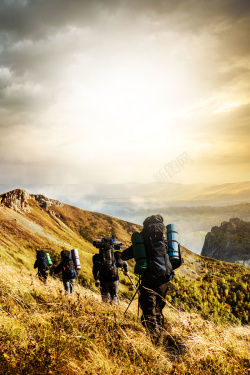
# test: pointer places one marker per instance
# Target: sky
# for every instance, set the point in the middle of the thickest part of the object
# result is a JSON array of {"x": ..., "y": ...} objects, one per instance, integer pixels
[{"x": 118, "y": 91}]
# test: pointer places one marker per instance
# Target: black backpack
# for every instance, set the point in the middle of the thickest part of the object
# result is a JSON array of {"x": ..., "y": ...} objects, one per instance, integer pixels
[
  {"x": 42, "y": 261},
  {"x": 69, "y": 271},
  {"x": 118, "y": 259},
  {"x": 108, "y": 270},
  {"x": 159, "y": 269}
]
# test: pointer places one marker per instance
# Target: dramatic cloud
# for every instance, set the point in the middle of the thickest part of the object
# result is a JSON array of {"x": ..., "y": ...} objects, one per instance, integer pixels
[{"x": 110, "y": 91}]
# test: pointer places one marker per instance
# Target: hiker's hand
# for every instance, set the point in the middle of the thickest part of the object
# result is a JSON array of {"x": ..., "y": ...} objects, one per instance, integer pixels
[{"x": 125, "y": 273}]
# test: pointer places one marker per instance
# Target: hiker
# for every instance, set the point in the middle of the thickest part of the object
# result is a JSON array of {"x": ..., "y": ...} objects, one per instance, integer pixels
[
  {"x": 105, "y": 269},
  {"x": 154, "y": 279},
  {"x": 42, "y": 264},
  {"x": 68, "y": 271}
]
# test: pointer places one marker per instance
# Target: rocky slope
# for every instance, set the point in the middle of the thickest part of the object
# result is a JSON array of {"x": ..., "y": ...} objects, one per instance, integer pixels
[
  {"x": 230, "y": 242},
  {"x": 18, "y": 200}
]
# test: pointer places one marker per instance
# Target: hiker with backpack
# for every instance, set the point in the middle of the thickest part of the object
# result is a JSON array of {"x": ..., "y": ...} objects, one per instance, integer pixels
[
  {"x": 105, "y": 268},
  {"x": 42, "y": 264},
  {"x": 150, "y": 250},
  {"x": 69, "y": 273}
]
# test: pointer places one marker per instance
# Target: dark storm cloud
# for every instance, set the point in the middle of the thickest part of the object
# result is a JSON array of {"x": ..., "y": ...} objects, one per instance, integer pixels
[{"x": 36, "y": 17}]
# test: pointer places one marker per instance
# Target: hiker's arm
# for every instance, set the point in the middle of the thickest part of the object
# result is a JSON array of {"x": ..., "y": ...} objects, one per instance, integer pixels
[
  {"x": 96, "y": 266},
  {"x": 125, "y": 267},
  {"x": 58, "y": 269},
  {"x": 95, "y": 270},
  {"x": 128, "y": 253}
]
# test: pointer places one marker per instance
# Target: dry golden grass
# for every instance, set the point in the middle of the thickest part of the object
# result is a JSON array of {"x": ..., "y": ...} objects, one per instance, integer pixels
[{"x": 45, "y": 332}]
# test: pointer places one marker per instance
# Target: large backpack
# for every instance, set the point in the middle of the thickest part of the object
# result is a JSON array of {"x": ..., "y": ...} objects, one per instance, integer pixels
[
  {"x": 118, "y": 259},
  {"x": 108, "y": 270},
  {"x": 159, "y": 268},
  {"x": 69, "y": 271},
  {"x": 42, "y": 261}
]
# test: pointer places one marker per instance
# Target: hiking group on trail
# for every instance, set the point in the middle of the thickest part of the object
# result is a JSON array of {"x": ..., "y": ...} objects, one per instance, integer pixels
[
  {"x": 69, "y": 266},
  {"x": 157, "y": 254}
]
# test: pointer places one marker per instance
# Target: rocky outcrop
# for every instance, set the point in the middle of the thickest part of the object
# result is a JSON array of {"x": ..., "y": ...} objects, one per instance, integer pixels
[
  {"x": 230, "y": 242},
  {"x": 18, "y": 200},
  {"x": 45, "y": 202}
]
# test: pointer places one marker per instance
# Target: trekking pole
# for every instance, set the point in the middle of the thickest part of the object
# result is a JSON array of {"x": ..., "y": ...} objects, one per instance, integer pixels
[
  {"x": 131, "y": 280},
  {"x": 137, "y": 289},
  {"x": 51, "y": 277},
  {"x": 79, "y": 291},
  {"x": 138, "y": 311}
]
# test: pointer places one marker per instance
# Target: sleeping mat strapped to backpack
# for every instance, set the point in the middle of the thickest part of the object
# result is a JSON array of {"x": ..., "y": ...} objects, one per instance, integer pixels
[
  {"x": 174, "y": 250},
  {"x": 140, "y": 254},
  {"x": 48, "y": 259},
  {"x": 75, "y": 258}
]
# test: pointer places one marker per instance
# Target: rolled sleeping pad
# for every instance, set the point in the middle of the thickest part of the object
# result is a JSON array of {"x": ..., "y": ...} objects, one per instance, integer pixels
[
  {"x": 48, "y": 259},
  {"x": 76, "y": 260},
  {"x": 173, "y": 244},
  {"x": 140, "y": 254}
]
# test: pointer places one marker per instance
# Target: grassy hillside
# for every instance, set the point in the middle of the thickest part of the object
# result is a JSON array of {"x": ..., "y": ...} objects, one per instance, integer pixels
[
  {"x": 55, "y": 228},
  {"x": 44, "y": 332},
  {"x": 221, "y": 293},
  {"x": 58, "y": 227}
]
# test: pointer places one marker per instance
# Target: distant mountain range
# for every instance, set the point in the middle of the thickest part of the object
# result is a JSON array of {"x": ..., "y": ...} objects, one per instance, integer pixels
[
  {"x": 194, "y": 208},
  {"x": 108, "y": 198}
]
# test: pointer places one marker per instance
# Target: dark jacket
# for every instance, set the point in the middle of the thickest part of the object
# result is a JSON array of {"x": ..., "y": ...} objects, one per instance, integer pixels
[
  {"x": 41, "y": 266},
  {"x": 62, "y": 267},
  {"x": 119, "y": 263}
]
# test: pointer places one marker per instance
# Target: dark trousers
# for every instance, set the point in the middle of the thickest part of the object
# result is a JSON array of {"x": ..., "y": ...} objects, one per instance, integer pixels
[
  {"x": 42, "y": 275},
  {"x": 152, "y": 302},
  {"x": 109, "y": 291}
]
